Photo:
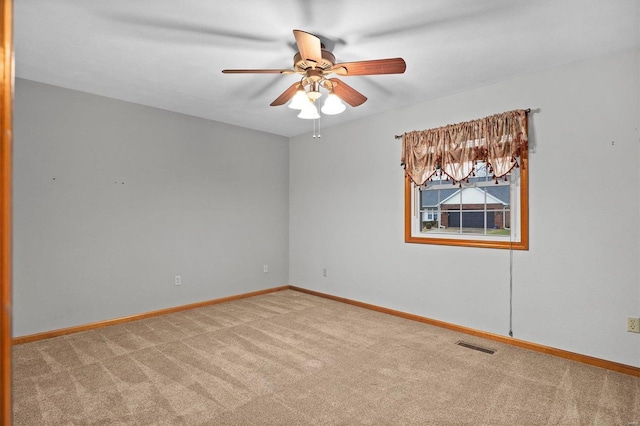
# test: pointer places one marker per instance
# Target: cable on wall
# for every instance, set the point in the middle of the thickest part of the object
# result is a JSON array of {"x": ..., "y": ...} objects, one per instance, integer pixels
[{"x": 510, "y": 286}]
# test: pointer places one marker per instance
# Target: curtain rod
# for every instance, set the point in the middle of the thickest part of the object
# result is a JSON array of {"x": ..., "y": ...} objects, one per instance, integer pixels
[{"x": 528, "y": 110}]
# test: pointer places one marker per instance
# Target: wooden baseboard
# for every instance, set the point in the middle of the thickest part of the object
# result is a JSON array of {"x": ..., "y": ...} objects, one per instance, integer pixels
[
  {"x": 136, "y": 317},
  {"x": 585, "y": 359}
]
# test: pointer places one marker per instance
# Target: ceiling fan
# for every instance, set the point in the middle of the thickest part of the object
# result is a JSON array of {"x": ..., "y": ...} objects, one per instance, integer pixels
[{"x": 315, "y": 63}]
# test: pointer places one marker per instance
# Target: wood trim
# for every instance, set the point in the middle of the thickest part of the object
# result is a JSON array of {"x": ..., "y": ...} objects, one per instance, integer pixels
[
  {"x": 408, "y": 212},
  {"x": 136, "y": 317},
  {"x": 585, "y": 359},
  {"x": 6, "y": 107}
]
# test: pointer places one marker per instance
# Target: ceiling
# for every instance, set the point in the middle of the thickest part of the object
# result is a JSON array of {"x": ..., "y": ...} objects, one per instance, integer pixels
[{"x": 170, "y": 55}]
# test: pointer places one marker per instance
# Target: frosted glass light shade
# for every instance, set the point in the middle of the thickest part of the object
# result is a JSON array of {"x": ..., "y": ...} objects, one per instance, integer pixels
[
  {"x": 314, "y": 94},
  {"x": 299, "y": 100},
  {"x": 309, "y": 112},
  {"x": 333, "y": 105}
]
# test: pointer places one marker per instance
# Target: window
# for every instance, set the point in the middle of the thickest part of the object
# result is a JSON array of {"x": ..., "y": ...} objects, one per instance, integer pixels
[
  {"x": 479, "y": 213},
  {"x": 486, "y": 207}
]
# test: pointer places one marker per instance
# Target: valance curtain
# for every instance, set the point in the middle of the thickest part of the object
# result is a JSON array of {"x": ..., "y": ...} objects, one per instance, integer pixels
[{"x": 453, "y": 150}]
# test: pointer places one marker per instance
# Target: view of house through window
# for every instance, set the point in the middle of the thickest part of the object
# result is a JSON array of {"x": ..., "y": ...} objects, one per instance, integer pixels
[{"x": 482, "y": 206}]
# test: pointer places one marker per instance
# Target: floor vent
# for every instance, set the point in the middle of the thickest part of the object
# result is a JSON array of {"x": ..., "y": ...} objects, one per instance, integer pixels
[{"x": 475, "y": 347}]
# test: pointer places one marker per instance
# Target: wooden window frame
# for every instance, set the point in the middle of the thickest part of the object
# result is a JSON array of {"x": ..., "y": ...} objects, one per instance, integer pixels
[{"x": 522, "y": 244}]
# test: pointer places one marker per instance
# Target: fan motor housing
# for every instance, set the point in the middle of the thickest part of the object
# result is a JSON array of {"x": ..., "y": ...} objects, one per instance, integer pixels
[{"x": 302, "y": 65}]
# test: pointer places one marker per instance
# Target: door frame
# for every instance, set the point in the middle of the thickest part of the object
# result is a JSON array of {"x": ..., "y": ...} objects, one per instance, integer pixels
[{"x": 6, "y": 112}]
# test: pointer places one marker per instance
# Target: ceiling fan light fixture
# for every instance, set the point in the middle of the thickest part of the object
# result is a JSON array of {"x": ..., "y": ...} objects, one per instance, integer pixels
[
  {"x": 314, "y": 90},
  {"x": 309, "y": 112},
  {"x": 333, "y": 105}
]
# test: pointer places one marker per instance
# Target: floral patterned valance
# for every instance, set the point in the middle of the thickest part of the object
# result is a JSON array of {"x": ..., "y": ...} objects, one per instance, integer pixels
[{"x": 453, "y": 150}]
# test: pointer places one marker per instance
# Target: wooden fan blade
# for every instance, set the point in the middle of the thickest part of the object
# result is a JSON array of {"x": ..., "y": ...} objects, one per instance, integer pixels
[
  {"x": 286, "y": 95},
  {"x": 372, "y": 67},
  {"x": 258, "y": 71},
  {"x": 309, "y": 46},
  {"x": 347, "y": 93}
]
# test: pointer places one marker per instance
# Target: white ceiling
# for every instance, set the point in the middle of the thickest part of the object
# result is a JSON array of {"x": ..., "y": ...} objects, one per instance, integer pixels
[{"x": 169, "y": 54}]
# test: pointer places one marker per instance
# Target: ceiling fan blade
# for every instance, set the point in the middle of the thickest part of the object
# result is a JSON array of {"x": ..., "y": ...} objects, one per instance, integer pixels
[
  {"x": 372, "y": 67},
  {"x": 309, "y": 46},
  {"x": 265, "y": 71},
  {"x": 347, "y": 93},
  {"x": 286, "y": 95}
]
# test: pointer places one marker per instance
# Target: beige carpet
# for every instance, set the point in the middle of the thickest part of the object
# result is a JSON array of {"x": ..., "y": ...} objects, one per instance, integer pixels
[{"x": 289, "y": 358}]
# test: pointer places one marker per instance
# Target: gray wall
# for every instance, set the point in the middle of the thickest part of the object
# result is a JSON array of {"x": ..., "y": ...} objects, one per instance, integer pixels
[
  {"x": 580, "y": 279},
  {"x": 113, "y": 199}
]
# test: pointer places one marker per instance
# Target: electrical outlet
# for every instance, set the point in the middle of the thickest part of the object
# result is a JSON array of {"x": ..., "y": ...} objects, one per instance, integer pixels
[
  {"x": 178, "y": 280},
  {"x": 633, "y": 325},
  {"x": 265, "y": 268},
  {"x": 324, "y": 272}
]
